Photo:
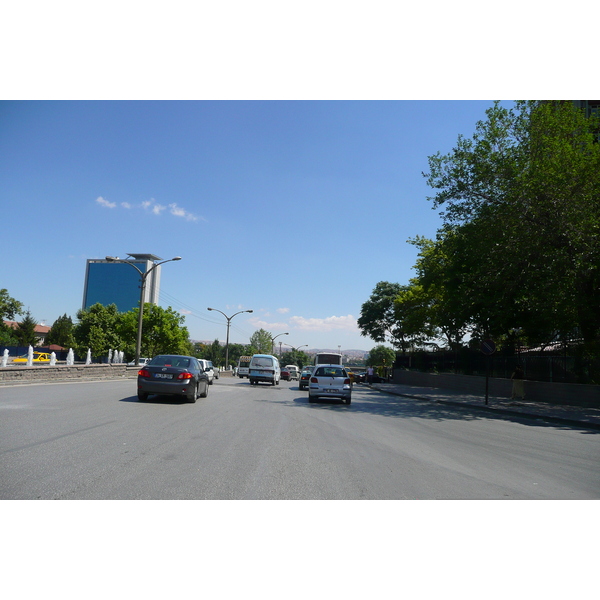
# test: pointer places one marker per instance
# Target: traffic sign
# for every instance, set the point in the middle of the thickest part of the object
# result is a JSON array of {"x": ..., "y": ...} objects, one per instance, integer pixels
[{"x": 488, "y": 347}]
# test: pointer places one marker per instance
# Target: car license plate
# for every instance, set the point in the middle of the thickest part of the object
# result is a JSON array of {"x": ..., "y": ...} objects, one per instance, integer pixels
[{"x": 163, "y": 376}]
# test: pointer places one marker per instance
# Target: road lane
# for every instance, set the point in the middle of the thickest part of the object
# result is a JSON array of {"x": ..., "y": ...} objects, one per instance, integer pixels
[{"x": 96, "y": 441}]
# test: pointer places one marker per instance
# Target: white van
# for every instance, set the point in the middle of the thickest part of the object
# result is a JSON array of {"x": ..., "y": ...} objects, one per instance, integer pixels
[{"x": 264, "y": 367}]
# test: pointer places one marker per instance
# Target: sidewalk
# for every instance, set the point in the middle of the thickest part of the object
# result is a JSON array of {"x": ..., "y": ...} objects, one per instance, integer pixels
[{"x": 569, "y": 415}]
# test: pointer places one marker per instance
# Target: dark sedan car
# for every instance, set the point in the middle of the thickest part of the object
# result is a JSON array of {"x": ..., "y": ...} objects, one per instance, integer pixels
[
  {"x": 172, "y": 375},
  {"x": 285, "y": 374},
  {"x": 305, "y": 377}
]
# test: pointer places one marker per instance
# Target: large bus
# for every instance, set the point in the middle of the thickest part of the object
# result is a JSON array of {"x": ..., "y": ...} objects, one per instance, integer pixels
[
  {"x": 328, "y": 358},
  {"x": 243, "y": 366}
]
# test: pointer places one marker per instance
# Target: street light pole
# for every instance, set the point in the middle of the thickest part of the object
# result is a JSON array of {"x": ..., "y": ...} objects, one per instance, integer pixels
[
  {"x": 273, "y": 341},
  {"x": 143, "y": 276},
  {"x": 228, "y": 324}
]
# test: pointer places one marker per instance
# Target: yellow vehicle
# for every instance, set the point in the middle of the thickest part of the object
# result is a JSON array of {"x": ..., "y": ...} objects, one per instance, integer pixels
[{"x": 38, "y": 357}]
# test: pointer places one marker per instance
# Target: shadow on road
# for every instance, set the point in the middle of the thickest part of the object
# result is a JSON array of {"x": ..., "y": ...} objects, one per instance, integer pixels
[
  {"x": 156, "y": 400},
  {"x": 368, "y": 401}
]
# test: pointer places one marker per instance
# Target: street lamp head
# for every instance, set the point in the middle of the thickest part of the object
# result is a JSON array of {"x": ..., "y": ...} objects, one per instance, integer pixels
[
  {"x": 176, "y": 258},
  {"x": 111, "y": 258},
  {"x": 250, "y": 310},
  {"x": 210, "y": 309}
]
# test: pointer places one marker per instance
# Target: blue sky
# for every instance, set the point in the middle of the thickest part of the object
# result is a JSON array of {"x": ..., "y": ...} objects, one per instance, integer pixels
[{"x": 294, "y": 209}]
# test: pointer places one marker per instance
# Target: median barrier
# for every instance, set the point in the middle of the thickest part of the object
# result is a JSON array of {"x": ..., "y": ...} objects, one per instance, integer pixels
[{"x": 11, "y": 375}]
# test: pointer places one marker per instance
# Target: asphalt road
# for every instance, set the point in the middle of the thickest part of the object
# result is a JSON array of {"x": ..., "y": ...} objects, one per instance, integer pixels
[{"x": 94, "y": 440}]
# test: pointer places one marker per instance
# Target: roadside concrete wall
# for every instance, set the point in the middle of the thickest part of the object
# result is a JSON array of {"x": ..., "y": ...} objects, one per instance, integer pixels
[
  {"x": 11, "y": 375},
  {"x": 553, "y": 393}
]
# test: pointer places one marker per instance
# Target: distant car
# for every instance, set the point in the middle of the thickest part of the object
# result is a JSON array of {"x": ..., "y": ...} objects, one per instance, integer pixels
[
  {"x": 359, "y": 376},
  {"x": 330, "y": 381},
  {"x": 285, "y": 374},
  {"x": 143, "y": 361},
  {"x": 38, "y": 357},
  {"x": 305, "y": 377},
  {"x": 294, "y": 372},
  {"x": 207, "y": 366},
  {"x": 172, "y": 375}
]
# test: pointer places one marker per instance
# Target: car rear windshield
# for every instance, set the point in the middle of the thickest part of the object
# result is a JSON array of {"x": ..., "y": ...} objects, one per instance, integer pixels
[
  {"x": 263, "y": 361},
  {"x": 171, "y": 361},
  {"x": 330, "y": 372}
]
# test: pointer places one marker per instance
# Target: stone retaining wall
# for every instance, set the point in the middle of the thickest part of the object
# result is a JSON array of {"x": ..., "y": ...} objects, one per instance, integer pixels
[
  {"x": 554, "y": 393},
  {"x": 11, "y": 375}
]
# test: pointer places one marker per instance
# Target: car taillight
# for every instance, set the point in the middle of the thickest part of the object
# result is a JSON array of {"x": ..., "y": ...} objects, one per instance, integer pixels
[
  {"x": 184, "y": 376},
  {"x": 314, "y": 380},
  {"x": 144, "y": 373},
  {"x": 346, "y": 382}
]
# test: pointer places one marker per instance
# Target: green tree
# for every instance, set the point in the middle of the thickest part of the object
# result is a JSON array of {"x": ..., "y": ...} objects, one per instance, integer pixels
[
  {"x": 9, "y": 307},
  {"x": 381, "y": 356},
  {"x": 61, "y": 332},
  {"x": 25, "y": 331},
  {"x": 237, "y": 350},
  {"x": 522, "y": 213},
  {"x": 98, "y": 328},
  {"x": 262, "y": 341},
  {"x": 163, "y": 332},
  {"x": 295, "y": 357},
  {"x": 377, "y": 318}
]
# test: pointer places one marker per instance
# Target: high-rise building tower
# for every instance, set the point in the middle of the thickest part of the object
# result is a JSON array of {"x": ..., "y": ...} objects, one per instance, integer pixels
[{"x": 108, "y": 282}]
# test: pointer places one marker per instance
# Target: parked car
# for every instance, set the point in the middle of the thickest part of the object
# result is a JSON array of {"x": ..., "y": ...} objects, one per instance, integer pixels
[
  {"x": 358, "y": 376},
  {"x": 294, "y": 372},
  {"x": 143, "y": 361},
  {"x": 208, "y": 368},
  {"x": 330, "y": 381},
  {"x": 38, "y": 357},
  {"x": 172, "y": 375},
  {"x": 305, "y": 377},
  {"x": 285, "y": 374}
]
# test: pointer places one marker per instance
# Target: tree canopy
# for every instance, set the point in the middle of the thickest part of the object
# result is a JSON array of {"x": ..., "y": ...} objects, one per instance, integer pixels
[
  {"x": 262, "y": 341},
  {"x": 61, "y": 332},
  {"x": 9, "y": 307},
  {"x": 381, "y": 356},
  {"x": 25, "y": 331},
  {"x": 519, "y": 248}
]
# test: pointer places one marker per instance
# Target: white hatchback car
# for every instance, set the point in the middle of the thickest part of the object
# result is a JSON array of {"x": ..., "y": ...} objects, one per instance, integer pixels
[{"x": 330, "y": 381}]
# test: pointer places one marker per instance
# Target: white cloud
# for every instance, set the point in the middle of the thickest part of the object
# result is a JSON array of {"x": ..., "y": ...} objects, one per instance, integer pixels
[
  {"x": 102, "y": 202},
  {"x": 283, "y": 310},
  {"x": 154, "y": 207},
  {"x": 347, "y": 323},
  {"x": 181, "y": 212},
  {"x": 269, "y": 326}
]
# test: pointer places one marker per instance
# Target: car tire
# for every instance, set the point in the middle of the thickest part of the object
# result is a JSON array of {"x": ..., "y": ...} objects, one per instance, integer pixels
[
  {"x": 204, "y": 394},
  {"x": 348, "y": 400},
  {"x": 193, "y": 397},
  {"x": 312, "y": 398},
  {"x": 142, "y": 396}
]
